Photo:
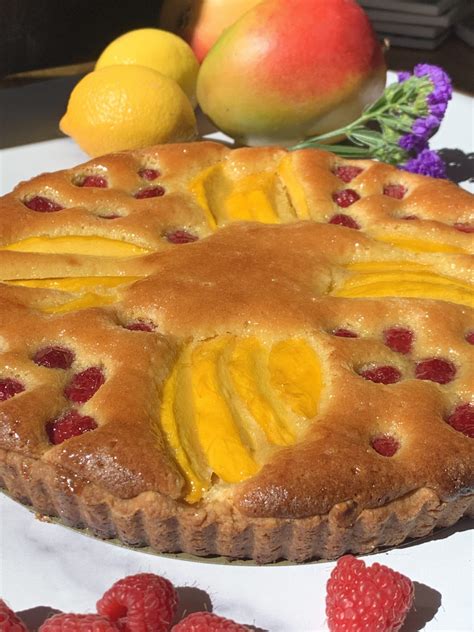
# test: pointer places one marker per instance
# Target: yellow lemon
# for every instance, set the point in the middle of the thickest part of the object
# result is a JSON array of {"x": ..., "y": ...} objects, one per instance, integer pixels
[
  {"x": 127, "y": 107},
  {"x": 163, "y": 51}
]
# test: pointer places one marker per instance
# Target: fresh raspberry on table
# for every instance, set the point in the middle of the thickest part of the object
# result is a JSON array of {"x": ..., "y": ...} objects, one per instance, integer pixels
[
  {"x": 140, "y": 603},
  {"x": 78, "y": 623},
  {"x": 9, "y": 622},
  {"x": 207, "y": 622},
  {"x": 361, "y": 597}
]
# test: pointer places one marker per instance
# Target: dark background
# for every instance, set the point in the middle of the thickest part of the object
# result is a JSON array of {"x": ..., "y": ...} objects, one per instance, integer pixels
[{"x": 46, "y": 46}]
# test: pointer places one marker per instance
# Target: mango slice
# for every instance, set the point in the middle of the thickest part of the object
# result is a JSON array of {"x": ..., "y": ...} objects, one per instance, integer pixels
[
  {"x": 410, "y": 281},
  {"x": 295, "y": 373},
  {"x": 419, "y": 245},
  {"x": 78, "y": 245},
  {"x": 220, "y": 390}
]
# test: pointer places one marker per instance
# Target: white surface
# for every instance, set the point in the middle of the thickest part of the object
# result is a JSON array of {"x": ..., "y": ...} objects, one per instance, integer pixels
[{"x": 47, "y": 565}]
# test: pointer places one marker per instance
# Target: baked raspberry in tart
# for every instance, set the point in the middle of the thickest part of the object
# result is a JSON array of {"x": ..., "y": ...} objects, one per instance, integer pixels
[{"x": 256, "y": 359}]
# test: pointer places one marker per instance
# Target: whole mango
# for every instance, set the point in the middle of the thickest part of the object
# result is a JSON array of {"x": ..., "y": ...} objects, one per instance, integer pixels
[
  {"x": 285, "y": 71},
  {"x": 201, "y": 23}
]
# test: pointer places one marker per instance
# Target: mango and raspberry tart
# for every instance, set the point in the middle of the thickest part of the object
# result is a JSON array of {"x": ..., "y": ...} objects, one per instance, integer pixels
[{"x": 249, "y": 352}]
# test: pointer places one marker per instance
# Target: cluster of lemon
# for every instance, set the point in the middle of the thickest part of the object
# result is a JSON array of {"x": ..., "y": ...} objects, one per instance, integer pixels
[{"x": 141, "y": 92}]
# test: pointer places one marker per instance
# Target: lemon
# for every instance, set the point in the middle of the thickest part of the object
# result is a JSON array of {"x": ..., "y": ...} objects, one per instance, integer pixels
[
  {"x": 127, "y": 107},
  {"x": 163, "y": 51}
]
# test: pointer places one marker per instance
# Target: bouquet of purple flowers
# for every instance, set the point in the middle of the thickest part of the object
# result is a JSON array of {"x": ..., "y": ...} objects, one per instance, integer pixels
[{"x": 398, "y": 126}]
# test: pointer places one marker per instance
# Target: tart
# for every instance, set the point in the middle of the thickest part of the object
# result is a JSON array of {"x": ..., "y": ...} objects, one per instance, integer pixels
[{"x": 251, "y": 353}]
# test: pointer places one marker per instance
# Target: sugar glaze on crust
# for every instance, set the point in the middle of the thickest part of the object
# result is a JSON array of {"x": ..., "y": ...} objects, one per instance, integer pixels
[{"x": 300, "y": 276}]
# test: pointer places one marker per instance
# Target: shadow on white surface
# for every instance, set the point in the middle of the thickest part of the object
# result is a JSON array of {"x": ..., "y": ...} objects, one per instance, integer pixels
[{"x": 425, "y": 606}]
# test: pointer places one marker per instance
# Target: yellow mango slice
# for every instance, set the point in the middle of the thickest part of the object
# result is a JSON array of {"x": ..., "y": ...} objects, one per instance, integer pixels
[
  {"x": 252, "y": 199},
  {"x": 295, "y": 373},
  {"x": 198, "y": 187},
  {"x": 178, "y": 424},
  {"x": 405, "y": 283},
  {"x": 83, "y": 302},
  {"x": 74, "y": 284},
  {"x": 418, "y": 245},
  {"x": 217, "y": 431},
  {"x": 294, "y": 188},
  {"x": 78, "y": 245},
  {"x": 247, "y": 369}
]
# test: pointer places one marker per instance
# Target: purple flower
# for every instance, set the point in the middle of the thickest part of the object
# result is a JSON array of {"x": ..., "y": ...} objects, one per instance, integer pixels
[
  {"x": 403, "y": 76},
  {"x": 442, "y": 91},
  {"x": 427, "y": 163},
  {"x": 422, "y": 130}
]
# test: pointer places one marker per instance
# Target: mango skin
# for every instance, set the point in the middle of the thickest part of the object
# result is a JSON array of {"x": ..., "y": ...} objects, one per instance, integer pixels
[
  {"x": 201, "y": 22},
  {"x": 288, "y": 70}
]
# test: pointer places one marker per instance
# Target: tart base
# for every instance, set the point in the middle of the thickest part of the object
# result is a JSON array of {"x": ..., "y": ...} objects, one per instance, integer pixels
[{"x": 216, "y": 528}]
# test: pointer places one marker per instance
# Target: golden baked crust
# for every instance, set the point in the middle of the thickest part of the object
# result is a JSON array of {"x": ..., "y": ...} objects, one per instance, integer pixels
[{"x": 292, "y": 276}]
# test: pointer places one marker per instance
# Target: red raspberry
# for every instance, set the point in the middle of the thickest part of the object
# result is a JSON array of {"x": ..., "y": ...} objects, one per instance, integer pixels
[
  {"x": 386, "y": 445},
  {"x": 436, "y": 370},
  {"x": 149, "y": 174},
  {"x": 54, "y": 357},
  {"x": 344, "y": 333},
  {"x": 382, "y": 374},
  {"x": 9, "y": 388},
  {"x": 94, "y": 181},
  {"x": 140, "y": 325},
  {"x": 346, "y": 197},
  {"x": 78, "y": 623},
  {"x": 207, "y": 622},
  {"x": 347, "y": 172},
  {"x": 151, "y": 192},
  {"x": 398, "y": 339},
  {"x": 396, "y": 191},
  {"x": 470, "y": 337},
  {"x": 344, "y": 220},
  {"x": 361, "y": 597},
  {"x": 9, "y": 622},
  {"x": 140, "y": 603},
  {"x": 42, "y": 204},
  {"x": 462, "y": 419},
  {"x": 84, "y": 385},
  {"x": 181, "y": 237},
  {"x": 72, "y": 424},
  {"x": 464, "y": 227}
]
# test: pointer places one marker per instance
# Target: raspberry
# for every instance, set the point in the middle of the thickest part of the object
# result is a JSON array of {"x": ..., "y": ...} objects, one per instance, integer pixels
[
  {"x": 361, "y": 597},
  {"x": 140, "y": 325},
  {"x": 149, "y": 174},
  {"x": 9, "y": 388},
  {"x": 344, "y": 333},
  {"x": 462, "y": 419},
  {"x": 207, "y": 622},
  {"x": 181, "y": 237},
  {"x": 409, "y": 217},
  {"x": 9, "y": 622},
  {"x": 435, "y": 370},
  {"x": 345, "y": 198},
  {"x": 398, "y": 339},
  {"x": 84, "y": 385},
  {"x": 470, "y": 337},
  {"x": 109, "y": 216},
  {"x": 344, "y": 220},
  {"x": 347, "y": 172},
  {"x": 382, "y": 374},
  {"x": 464, "y": 227},
  {"x": 42, "y": 204},
  {"x": 386, "y": 445},
  {"x": 151, "y": 192},
  {"x": 72, "y": 424},
  {"x": 140, "y": 603},
  {"x": 54, "y": 358},
  {"x": 78, "y": 623},
  {"x": 94, "y": 181},
  {"x": 396, "y": 191}
]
